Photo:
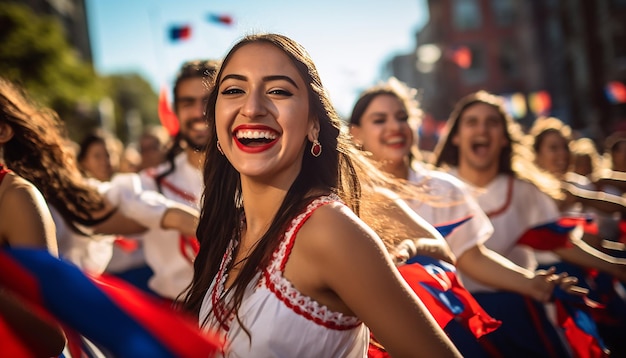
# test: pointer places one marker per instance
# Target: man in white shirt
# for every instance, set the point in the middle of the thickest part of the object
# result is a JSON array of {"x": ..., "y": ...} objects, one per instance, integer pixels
[{"x": 169, "y": 254}]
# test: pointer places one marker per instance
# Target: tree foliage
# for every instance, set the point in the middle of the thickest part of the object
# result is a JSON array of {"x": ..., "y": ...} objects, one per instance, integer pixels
[
  {"x": 35, "y": 54},
  {"x": 133, "y": 96}
]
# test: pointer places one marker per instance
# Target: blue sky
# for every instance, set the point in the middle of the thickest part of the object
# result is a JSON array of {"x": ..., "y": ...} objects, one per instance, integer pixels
[{"x": 349, "y": 40}]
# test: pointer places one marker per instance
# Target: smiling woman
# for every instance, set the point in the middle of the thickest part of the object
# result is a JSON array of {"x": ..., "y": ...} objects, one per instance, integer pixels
[{"x": 277, "y": 230}]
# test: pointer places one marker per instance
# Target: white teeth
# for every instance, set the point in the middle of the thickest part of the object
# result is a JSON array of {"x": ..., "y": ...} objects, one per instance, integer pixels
[
  {"x": 395, "y": 140},
  {"x": 255, "y": 134}
]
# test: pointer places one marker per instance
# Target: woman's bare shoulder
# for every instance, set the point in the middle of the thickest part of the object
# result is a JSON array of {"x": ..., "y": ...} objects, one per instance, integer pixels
[
  {"x": 16, "y": 192},
  {"x": 336, "y": 228}
]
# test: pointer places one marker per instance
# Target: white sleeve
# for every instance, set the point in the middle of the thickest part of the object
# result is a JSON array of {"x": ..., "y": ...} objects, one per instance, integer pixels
[
  {"x": 451, "y": 201},
  {"x": 144, "y": 206}
]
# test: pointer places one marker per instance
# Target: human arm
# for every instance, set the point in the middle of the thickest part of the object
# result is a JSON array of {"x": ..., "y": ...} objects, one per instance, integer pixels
[
  {"x": 599, "y": 200},
  {"x": 611, "y": 178},
  {"x": 172, "y": 216},
  {"x": 26, "y": 219},
  {"x": 147, "y": 208},
  {"x": 182, "y": 218},
  {"x": 349, "y": 260},
  {"x": 585, "y": 255},
  {"x": 492, "y": 269}
]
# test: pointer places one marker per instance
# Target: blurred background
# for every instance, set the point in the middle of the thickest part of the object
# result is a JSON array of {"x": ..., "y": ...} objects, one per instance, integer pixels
[{"x": 101, "y": 63}]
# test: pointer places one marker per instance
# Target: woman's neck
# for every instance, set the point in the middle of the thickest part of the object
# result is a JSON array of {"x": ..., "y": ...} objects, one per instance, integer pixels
[
  {"x": 476, "y": 177},
  {"x": 398, "y": 170},
  {"x": 260, "y": 204}
]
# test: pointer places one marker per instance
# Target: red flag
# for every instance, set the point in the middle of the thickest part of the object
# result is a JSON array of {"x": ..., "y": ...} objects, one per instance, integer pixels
[
  {"x": 462, "y": 56},
  {"x": 166, "y": 115}
]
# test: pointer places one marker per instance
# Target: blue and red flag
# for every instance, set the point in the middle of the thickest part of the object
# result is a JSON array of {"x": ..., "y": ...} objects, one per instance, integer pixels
[
  {"x": 437, "y": 285},
  {"x": 615, "y": 92},
  {"x": 112, "y": 314},
  {"x": 179, "y": 32},
  {"x": 573, "y": 315},
  {"x": 554, "y": 234},
  {"x": 222, "y": 19}
]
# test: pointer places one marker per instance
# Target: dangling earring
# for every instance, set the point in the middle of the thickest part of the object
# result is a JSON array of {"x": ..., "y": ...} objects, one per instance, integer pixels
[
  {"x": 316, "y": 148},
  {"x": 219, "y": 147}
]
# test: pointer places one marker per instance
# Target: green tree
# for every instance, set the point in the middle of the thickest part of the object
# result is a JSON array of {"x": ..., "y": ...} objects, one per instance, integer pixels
[
  {"x": 35, "y": 54},
  {"x": 135, "y": 104}
]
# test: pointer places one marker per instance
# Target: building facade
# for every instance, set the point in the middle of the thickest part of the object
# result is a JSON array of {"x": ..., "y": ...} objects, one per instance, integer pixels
[{"x": 562, "y": 58}]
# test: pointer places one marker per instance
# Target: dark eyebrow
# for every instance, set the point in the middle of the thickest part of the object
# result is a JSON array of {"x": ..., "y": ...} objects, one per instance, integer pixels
[
  {"x": 280, "y": 77},
  {"x": 266, "y": 78}
]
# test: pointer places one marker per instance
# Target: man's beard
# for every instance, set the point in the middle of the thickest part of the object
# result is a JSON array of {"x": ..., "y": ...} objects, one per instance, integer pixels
[
  {"x": 191, "y": 143},
  {"x": 196, "y": 146}
]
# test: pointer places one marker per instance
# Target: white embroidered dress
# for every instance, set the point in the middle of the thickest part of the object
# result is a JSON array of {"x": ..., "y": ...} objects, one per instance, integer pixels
[{"x": 283, "y": 322}]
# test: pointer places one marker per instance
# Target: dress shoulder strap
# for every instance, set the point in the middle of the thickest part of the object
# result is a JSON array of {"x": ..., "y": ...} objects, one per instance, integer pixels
[
  {"x": 284, "y": 248},
  {"x": 3, "y": 172}
]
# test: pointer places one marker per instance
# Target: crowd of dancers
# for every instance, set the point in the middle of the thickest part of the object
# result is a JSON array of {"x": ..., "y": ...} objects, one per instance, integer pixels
[{"x": 282, "y": 230}]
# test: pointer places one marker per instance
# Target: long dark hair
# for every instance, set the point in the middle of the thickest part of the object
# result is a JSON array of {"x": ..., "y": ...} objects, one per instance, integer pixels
[
  {"x": 403, "y": 93},
  {"x": 446, "y": 153},
  {"x": 515, "y": 158},
  {"x": 221, "y": 213},
  {"x": 39, "y": 151}
]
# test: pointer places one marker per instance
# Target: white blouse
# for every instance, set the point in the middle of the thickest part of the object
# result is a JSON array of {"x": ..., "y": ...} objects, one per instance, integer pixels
[{"x": 283, "y": 322}]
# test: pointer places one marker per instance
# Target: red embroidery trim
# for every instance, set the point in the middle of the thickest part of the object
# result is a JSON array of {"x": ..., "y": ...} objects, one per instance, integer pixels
[
  {"x": 187, "y": 243},
  {"x": 178, "y": 191},
  {"x": 272, "y": 287},
  {"x": 266, "y": 275},
  {"x": 218, "y": 290},
  {"x": 173, "y": 188},
  {"x": 507, "y": 203}
]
